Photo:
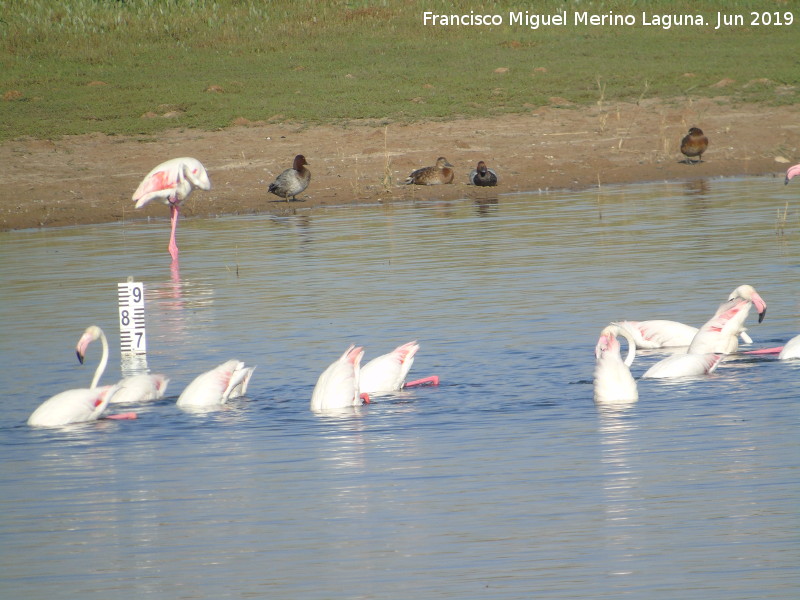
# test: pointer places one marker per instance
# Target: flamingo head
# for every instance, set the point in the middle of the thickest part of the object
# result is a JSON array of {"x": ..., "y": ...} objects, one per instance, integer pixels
[
  {"x": 196, "y": 174},
  {"x": 92, "y": 333},
  {"x": 748, "y": 293}
]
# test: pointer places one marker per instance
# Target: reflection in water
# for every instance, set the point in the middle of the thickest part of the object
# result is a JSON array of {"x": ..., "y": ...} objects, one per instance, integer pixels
[
  {"x": 621, "y": 484},
  {"x": 697, "y": 187},
  {"x": 485, "y": 207}
]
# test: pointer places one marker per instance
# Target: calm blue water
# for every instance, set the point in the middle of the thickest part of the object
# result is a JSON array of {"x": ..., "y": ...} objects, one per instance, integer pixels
[{"x": 504, "y": 482}]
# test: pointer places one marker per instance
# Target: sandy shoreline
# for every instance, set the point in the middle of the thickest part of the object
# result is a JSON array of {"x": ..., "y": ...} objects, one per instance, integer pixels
[{"x": 90, "y": 179}]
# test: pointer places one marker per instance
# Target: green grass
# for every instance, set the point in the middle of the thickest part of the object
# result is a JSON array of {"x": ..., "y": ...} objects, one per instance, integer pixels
[{"x": 323, "y": 62}]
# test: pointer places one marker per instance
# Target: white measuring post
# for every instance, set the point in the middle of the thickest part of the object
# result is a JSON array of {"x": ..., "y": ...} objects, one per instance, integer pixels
[{"x": 132, "y": 337}]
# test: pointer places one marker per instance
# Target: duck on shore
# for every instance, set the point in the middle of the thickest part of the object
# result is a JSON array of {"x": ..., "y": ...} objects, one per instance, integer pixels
[
  {"x": 694, "y": 144},
  {"x": 482, "y": 175},
  {"x": 292, "y": 181},
  {"x": 436, "y": 175}
]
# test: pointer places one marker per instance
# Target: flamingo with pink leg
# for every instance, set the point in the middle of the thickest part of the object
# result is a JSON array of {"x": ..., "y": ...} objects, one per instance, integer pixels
[
  {"x": 388, "y": 372},
  {"x": 172, "y": 182}
]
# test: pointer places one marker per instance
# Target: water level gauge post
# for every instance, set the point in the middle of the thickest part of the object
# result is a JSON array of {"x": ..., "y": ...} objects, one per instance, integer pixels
[{"x": 132, "y": 336}]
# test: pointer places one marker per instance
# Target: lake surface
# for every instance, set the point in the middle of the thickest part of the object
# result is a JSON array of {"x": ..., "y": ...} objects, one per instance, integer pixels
[{"x": 506, "y": 481}]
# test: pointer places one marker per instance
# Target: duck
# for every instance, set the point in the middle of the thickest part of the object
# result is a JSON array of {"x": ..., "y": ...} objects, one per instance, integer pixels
[
  {"x": 292, "y": 181},
  {"x": 694, "y": 144},
  {"x": 482, "y": 175},
  {"x": 439, "y": 174}
]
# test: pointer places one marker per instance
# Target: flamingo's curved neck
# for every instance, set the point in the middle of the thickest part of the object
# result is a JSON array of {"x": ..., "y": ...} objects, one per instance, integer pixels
[{"x": 103, "y": 361}]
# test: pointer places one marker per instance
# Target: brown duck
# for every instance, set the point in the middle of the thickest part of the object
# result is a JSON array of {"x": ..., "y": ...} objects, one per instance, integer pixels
[
  {"x": 441, "y": 173},
  {"x": 694, "y": 144},
  {"x": 292, "y": 181}
]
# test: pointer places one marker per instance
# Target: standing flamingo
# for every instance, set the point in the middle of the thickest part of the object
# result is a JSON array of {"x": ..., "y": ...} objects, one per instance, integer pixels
[
  {"x": 339, "y": 385},
  {"x": 74, "y": 406},
  {"x": 613, "y": 382},
  {"x": 172, "y": 182},
  {"x": 660, "y": 333},
  {"x": 791, "y": 173},
  {"x": 791, "y": 349},
  {"x": 217, "y": 386},
  {"x": 719, "y": 334},
  {"x": 136, "y": 388},
  {"x": 388, "y": 372}
]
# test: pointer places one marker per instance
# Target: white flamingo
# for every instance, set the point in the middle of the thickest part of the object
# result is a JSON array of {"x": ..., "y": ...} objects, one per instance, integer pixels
[
  {"x": 683, "y": 365},
  {"x": 659, "y": 333},
  {"x": 792, "y": 347},
  {"x": 136, "y": 388},
  {"x": 339, "y": 385},
  {"x": 217, "y": 386},
  {"x": 172, "y": 182},
  {"x": 388, "y": 372},
  {"x": 719, "y": 334},
  {"x": 73, "y": 406},
  {"x": 613, "y": 382}
]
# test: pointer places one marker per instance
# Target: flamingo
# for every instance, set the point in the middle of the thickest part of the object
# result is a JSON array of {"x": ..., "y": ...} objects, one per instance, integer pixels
[
  {"x": 683, "y": 365},
  {"x": 217, "y": 386},
  {"x": 719, "y": 334},
  {"x": 338, "y": 386},
  {"x": 74, "y": 406},
  {"x": 136, "y": 388},
  {"x": 791, "y": 349},
  {"x": 388, "y": 372},
  {"x": 613, "y": 382},
  {"x": 661, "y": 333},
  {"x": 172, "y": 182},
  {"x": 791, "y": 173}
]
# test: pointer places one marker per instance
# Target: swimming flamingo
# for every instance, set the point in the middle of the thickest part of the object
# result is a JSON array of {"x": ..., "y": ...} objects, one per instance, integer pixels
[
  {"x": 791, "y": 349},
  {"x": 613, "y": 382},
  {"x": 719, "y": 334},
  {"x": 338, "y": 386},
  {"x": 683, "y": 365},
  {"x": 661, "y": 333},
  {"x": 217, "y": 386},
  {"x": 388, "y": 372},
  {"x": 135, "y": 388},
  {"x": 172, "y": 182},
  {"x": 791, "y": 172},
  {"x": 73, "y": 406}
]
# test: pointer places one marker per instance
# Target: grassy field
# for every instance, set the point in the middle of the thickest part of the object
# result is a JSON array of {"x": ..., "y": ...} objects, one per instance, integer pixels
[{"x": 139, "y": 66}]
